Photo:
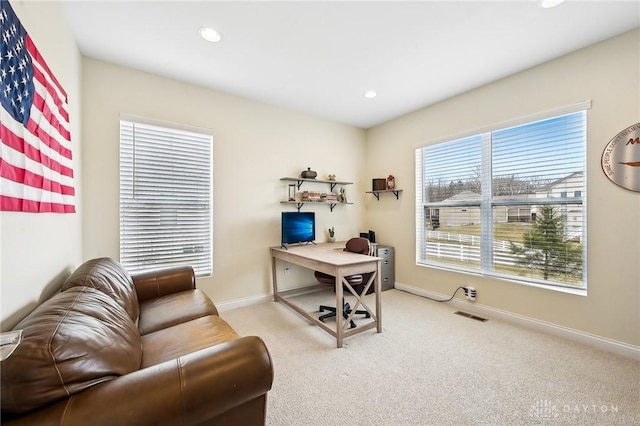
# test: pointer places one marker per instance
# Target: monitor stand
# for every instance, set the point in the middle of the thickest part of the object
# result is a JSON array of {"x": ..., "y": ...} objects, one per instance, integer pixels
[{"x": 284, "y": 246}]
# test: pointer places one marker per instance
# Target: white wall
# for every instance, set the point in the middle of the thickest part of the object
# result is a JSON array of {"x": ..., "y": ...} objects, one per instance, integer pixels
[
  {"x": 254, "y": 145},
  {"x": 608, "y": 74},
  {"x": 37, "y": 249}
]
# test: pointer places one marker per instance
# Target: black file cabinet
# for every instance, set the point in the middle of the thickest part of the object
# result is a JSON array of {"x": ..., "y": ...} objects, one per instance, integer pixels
[{"x": 387, "y": 266}]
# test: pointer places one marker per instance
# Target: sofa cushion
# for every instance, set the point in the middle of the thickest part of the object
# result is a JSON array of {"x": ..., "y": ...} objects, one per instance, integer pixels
[
  {"x": 109, "y": 277},
  {"x": 181, "y": 339},
  {"x": 172, "y": 309},
  {"x": 73, "y": 341}
]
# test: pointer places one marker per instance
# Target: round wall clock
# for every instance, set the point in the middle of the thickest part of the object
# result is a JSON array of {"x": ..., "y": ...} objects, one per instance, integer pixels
[{"x": 621, "y": 158}]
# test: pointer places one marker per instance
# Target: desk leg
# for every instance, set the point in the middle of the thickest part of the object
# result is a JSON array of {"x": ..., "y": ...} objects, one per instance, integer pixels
[
  {"x": 274, "y": 277},
  {"x": 378, "y": 291},
  {"x": 339, "y": 306}
]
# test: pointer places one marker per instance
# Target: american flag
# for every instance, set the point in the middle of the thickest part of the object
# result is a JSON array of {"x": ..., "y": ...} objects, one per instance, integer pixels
[{"x": 36, "y": 173}]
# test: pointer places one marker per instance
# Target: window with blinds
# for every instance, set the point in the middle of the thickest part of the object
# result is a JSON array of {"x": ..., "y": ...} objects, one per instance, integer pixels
[
  {"x": 165, "y": 197},
  {"x": 508, "y": 202}
]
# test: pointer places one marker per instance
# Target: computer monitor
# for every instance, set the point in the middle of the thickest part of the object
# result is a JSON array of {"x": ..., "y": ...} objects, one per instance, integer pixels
[{"x": 298, "y": 227}]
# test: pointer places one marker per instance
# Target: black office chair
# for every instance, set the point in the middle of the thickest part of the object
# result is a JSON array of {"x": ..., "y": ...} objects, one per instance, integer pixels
[{"x": 354, "y": 245}]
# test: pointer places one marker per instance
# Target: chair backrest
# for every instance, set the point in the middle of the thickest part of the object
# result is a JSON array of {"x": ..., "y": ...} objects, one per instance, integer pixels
[
  {"x": 354, "y": 245},
  {"x": 357, "y": 245}
]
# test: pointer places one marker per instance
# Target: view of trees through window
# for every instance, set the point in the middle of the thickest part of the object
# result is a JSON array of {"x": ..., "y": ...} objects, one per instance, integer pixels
[{"x": 507, "y": 203}]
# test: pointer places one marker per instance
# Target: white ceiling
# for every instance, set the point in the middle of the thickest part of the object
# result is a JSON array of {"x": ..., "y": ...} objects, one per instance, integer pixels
[{"x": 320, "y": 57}]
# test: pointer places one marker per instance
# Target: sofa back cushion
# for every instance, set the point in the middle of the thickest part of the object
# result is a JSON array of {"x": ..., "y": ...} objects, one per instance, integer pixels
[
  {"x": 109, "y": 277},
  {"x": 73, "y": 341}
]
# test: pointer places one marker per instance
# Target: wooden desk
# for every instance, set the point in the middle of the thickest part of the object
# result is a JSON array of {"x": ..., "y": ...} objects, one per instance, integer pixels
[{"x": 325, "y": 258}]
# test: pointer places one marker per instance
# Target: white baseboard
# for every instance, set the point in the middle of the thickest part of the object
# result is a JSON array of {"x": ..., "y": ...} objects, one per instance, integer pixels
[
  {"x": 254, "y": 300},
  {"x": 609, "y": 345},
  {"x": 240, "y": 303}
]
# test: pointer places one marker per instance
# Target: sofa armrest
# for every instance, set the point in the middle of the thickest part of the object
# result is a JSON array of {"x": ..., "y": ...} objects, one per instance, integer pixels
[
  {"x": 192, "y": 389},
  {"x": 160, "y": 282}
]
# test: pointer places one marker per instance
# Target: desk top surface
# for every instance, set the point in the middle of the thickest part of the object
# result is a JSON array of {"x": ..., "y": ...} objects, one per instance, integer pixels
[{"x": 331, "y": 253}]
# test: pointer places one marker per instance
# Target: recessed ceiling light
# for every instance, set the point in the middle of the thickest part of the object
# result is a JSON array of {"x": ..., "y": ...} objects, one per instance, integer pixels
[
  {"x": 370, "y": 94},
  {"x": 210, "y": 34},
  {"x": 546, "y": 4}
]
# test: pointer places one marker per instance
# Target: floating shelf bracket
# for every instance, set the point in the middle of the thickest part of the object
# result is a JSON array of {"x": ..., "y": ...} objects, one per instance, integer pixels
[{"x": 395, "y": 192}]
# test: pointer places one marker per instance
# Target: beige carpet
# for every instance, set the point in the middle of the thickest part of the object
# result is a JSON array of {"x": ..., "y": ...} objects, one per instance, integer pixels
[{"x": 432, "y": 367}]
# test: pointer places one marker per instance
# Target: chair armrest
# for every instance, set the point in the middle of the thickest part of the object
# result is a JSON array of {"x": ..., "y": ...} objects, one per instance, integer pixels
[
  {"x": 190, "y": 390},
  {"x": 160, "y": 282}
]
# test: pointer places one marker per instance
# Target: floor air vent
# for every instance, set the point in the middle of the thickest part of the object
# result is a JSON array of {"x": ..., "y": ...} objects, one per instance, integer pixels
[{"x": 464, "y": 314}]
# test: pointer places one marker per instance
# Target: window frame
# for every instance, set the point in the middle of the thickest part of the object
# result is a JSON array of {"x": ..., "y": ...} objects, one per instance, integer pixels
[
  {"x": 190, "y": 208},
  {"x": 487, "y": 203}
]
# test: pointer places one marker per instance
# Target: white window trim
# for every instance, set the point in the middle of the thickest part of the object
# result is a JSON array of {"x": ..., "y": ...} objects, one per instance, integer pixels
[
  {"x": 198, "y": 133},
  {"x": 541, "y": 115},
  {"x": 419, "y": 185}
]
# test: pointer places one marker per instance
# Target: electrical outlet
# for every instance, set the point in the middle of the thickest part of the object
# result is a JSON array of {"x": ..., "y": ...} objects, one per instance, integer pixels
[{"x": 470, "y": 293}]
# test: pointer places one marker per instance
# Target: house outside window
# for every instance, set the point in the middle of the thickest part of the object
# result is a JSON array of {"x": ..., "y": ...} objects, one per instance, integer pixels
[
  {"x": 510, "y": 202},
  {"x": 165, "y": 197}
]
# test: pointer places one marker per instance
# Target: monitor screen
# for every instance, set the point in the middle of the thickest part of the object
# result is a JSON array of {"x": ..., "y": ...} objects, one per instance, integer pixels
[{"x": 298, "y": 227}]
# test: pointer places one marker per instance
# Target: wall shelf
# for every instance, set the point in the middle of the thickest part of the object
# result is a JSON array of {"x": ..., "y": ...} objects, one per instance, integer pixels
[
  {"x": 395, "y": 192},
  {"x": 299, "y": 181},
  {"x": 299, "y": 204}
]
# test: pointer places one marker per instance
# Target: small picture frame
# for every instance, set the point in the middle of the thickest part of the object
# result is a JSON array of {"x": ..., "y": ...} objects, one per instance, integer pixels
[
  {"x": 378, "y": 184},
  {"x": 391, "y": 183}
]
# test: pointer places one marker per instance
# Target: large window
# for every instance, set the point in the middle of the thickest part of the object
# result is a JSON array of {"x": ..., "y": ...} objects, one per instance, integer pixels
[
  {"x": 165, "y": 197},
  {"x": 508, "y": 203}
]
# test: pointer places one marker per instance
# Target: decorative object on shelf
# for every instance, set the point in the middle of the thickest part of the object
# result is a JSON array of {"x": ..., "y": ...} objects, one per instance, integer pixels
[
  {"x": 621, "y": 158},
  {"x": 314, "y": 197},
  {"x": 331, "y": 177},
  {"x": 391, "y": 183},
  {"x": 379, "y": 184},
  {"x": 332, "y": 235},
  {"x": 342, "y": 198},
  {"x": 309, "y": 174},
  {"x": 305, "y": 196},
  {"x": 292, "y": 192}
]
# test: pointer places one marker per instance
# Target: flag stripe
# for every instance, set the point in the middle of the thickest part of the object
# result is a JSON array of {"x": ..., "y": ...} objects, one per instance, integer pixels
[
  {"x": 36, "y": 166},
  {"x": 32, "y": 146},
  {"x": 44, "y": 87},
  {"x": 31, "y": 193},
  {"x": 22, "y": 205},
  {"x": 52, "y": 138},
  {"x": 20, "y": 175}
]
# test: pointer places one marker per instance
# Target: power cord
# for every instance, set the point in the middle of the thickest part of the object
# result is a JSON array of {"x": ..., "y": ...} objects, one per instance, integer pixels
[{"x": 446, "y": 300}]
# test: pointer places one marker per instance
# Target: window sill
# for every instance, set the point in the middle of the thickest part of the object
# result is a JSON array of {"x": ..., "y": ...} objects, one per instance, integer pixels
[{"x": 577, "y": 291}]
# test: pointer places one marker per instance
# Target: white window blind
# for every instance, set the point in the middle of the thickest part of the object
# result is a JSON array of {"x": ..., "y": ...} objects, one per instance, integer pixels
[
  {"x": 508, "y": 202},
  {"x": 165, "y": 197}
]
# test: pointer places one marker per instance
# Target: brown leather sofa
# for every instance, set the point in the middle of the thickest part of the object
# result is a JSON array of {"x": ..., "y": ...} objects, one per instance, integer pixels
[{"x": 146, "y": 349}]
